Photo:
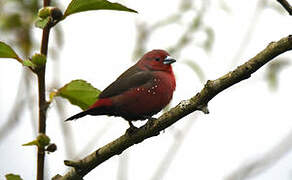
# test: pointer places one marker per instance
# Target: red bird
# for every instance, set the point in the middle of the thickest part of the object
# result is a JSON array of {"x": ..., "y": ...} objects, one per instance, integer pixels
[{"x": 140, "y": 92}]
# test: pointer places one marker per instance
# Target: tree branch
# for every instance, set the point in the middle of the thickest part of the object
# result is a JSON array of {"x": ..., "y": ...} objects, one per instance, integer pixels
[
  {"x": 198, "y": 102},
  {"x": 286, "y": 5}
]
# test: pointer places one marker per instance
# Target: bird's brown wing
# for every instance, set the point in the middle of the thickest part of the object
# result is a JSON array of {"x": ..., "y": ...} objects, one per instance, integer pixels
[{"x": 131, "y": 78}]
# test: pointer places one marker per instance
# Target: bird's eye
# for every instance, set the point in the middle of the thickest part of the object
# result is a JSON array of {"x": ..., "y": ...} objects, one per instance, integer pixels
[{"x": 157, "y": 59}]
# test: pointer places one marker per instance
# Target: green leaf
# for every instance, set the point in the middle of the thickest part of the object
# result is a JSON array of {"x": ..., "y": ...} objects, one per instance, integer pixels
[
  {"x": 79, "y": 93},
  {"x": 39, "y": 59},
  {"x": 51, "y": 11},
  {"x": 44, "y": 12},
  {"x": 12, "y": 177},
  {"x": 52, "y": 95},
  {"x": 41, "y": 141},
  {"x": 31, "y": 143},
  {"x": 28, "y": 63},
  {"x": 7, "y": 52},
  {"x": 42, "y": 23},
  {"x": 86, "y": 5}
]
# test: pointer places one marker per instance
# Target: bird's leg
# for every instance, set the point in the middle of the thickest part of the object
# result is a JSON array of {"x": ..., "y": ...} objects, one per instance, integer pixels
[
  {"x": 150, "y": 123},
  {"x": 132, "y": 128},
  {"x": 131, "y": 124},
  {"x": 149, "y": 118}
]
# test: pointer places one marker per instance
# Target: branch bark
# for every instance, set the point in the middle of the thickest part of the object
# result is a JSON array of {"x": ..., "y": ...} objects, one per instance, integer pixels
[
  {"x": 286, "y": 6},
  {"x": 43, "y": 105},
  {"x": 198, "y": 102}
]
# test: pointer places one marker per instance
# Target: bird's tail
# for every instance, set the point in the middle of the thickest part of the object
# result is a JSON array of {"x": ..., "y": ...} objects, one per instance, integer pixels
[
  {"x": 100, "y": 107},
  {"x": 79, "y": 115}
]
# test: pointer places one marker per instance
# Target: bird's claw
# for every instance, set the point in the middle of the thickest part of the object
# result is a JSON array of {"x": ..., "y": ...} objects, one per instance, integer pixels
[
  {"x": 150, "y": 121},
  {"x": 149, "y": 118},
  {"x": 150, "y": 124},
  {"x": 132, "y": 129}
]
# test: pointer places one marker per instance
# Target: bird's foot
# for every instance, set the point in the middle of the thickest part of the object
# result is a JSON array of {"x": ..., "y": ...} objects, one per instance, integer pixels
[
  {"x": 149, "y": 118},
  {"x": 150, "y": 121},
  {"x": 150, "y": 124},
  {"x": 132, "y": 129}
]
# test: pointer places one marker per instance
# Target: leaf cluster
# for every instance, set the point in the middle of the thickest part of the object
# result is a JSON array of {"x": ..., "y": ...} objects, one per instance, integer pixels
[{"x": 78, "y": 92}]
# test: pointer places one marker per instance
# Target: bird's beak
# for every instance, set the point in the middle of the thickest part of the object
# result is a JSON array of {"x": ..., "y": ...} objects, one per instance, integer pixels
[{"x": 168, "y": 60}]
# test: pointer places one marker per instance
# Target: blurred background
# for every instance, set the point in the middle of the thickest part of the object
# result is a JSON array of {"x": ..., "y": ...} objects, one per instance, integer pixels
[{"x": 247, "y": 135}]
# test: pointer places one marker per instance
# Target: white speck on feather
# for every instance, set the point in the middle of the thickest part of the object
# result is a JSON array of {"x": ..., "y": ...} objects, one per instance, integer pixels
[{"x": 156, "y": 80}]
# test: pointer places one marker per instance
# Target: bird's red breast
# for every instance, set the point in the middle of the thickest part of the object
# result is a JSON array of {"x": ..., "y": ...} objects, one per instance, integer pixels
[{"x": 146, "y": 100}]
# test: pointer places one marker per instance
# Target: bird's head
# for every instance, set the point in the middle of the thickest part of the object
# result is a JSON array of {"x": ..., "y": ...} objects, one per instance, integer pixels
[{"x": 156, "y": 60}]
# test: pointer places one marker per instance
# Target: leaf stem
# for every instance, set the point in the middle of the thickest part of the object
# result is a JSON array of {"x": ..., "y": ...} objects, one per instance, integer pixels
[{"x": 19, "y": 59}]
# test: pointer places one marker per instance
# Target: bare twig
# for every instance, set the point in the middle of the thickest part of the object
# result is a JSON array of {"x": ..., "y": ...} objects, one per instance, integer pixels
[
  {"x": 43, "y": 105},
  {"x": 286, "y": 5},
  {"x": 201, "y": 99}
]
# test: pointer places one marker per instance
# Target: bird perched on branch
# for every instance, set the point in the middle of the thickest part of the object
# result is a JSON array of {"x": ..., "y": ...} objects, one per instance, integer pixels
[{"x": 140, "y": 92}]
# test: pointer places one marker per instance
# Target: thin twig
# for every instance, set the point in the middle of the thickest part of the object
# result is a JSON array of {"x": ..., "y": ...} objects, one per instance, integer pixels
[
  {"x": 198, "y": 102},
  {"x": 286, "y": 5},
  {"x": 43, "y": 105}
]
